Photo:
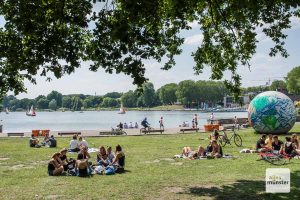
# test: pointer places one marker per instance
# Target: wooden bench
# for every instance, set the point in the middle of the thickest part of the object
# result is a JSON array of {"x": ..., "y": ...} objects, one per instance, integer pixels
[
  {"x": 15, "y": 134},
  {"x": 152, "y": 131},
  {"x": 112, "y": 133},
  {"x": 69, "y": 133},
  {"x": 189, "y": 129}
]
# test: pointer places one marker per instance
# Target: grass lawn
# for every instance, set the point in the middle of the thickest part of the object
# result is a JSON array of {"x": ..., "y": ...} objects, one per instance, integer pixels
[{"x": 152, "y": 173}]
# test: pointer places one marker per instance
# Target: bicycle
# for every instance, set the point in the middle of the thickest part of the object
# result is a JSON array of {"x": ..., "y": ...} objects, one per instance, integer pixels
[
  {"x": 118, "y": 131},
  {"x": 145, "y": 129},
  {"x": 223, "y": 140},
  {"x": 274, "y": 158}
]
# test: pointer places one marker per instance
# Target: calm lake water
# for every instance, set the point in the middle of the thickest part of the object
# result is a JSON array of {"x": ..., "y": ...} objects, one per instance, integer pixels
[{"x": 100, "y": 120}]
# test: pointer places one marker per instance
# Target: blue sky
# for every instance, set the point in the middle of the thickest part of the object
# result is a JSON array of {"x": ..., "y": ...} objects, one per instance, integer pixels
[{"x": 262, "y": 69}]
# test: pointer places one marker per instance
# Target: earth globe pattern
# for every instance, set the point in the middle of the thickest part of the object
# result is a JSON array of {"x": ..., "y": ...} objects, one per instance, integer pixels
[{"x": 272, "y": 112}]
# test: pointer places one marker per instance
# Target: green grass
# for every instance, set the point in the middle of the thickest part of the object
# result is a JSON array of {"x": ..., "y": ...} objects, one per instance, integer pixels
[{"x": 151, "y": 173}]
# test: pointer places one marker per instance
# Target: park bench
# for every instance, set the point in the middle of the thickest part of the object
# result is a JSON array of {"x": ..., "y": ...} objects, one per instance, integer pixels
[
  {"x": 69, "y": 133},
  {"x": 15, "y": 134},
  {"x": 115, "y": 132},
  {"x": 189, "y": 129},
  {"x": 145, "y": 131}
]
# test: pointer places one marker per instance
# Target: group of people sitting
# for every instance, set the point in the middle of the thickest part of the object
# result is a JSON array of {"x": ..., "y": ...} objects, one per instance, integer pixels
[
  {"x": 47, "y": 141},
  {"x": 127, "y": 126},
  {"x": 107, "y": 161},
  {"x": 213, "y": 150},
  {"x": 290, "y": 147}
]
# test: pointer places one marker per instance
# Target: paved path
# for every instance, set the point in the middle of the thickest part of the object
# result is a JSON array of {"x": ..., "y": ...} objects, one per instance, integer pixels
[{"x": 93, "y": 133}]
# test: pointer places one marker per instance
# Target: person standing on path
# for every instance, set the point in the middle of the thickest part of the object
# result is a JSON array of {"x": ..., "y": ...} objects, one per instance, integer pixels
[
  {"x": 161, "y": 123},
  {"x": 196, "y": 120}
]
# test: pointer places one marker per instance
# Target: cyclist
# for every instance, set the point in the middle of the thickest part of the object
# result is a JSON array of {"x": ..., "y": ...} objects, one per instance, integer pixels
[{"x": 145, "y": 123}]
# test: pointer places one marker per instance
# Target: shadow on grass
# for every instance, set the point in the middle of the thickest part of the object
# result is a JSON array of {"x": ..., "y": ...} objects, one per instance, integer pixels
[{"x": 246, "y": 189}]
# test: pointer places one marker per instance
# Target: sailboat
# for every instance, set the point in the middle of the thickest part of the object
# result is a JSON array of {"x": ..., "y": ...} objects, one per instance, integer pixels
[
  {"x": 122, "y": 110},
  {"x": 31, "y": 112}
]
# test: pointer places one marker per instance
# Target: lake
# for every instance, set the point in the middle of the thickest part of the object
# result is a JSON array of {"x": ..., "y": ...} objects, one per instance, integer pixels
[{"x": 101, "y": 120}]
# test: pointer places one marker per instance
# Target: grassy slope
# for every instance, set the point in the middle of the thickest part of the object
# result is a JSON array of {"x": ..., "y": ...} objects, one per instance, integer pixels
[{"x": 151, "y": 173}]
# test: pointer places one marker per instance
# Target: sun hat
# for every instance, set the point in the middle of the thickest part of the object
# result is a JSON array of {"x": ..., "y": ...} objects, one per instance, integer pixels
[
  {"x": 64, "y": 149},
  {"x": 55, "y": 154}
]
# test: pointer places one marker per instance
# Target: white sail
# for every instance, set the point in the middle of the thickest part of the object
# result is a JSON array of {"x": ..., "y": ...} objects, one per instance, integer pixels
[{"x": 122, "y": 110}]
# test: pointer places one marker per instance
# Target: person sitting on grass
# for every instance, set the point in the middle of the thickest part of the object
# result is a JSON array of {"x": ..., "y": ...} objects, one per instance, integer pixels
[
  {"x": 83, "y": 143},
  {"x": 268, "y": 141},
  {"x": 81, "y": 166},
  {"x": 52, "y": 141},
  {"x": 54, "y": 168},
  {"x": 295, "y": 140},
  {"x": 119, "y": 160},
  {"x": 34, "y": 142},
  {"x": 102, "y": 157},
  {"x": 74, "y": 146},
  {"x": 289, "y": 148},
  {"x": 277, "y": 145},
  {"x": 260, "y": 144},
  {"x": 63, "y": 158},
  {"x": 46, "y": 140},
  {"x": 110, "y": 155},
  {"x": 215, "y": 135},
  {"x": 216, "y": 150}
]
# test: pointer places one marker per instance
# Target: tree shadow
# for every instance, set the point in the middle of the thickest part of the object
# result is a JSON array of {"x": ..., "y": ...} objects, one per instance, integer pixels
[{"x": 245, "y": 189}]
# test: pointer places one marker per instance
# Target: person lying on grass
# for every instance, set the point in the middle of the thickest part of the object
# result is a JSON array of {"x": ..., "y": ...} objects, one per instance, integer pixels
[
  {"x": 54, "y": 168},
  {"x": 188, "y": 153}
]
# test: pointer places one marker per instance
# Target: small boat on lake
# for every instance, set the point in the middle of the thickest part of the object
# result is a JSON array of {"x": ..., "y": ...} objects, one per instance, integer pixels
[
  {"x": 31, "y": 112},
  {"x": 122, "y": 110}
]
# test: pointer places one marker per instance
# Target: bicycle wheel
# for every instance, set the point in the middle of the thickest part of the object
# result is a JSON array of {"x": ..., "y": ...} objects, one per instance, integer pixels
[
  {"x": 275, "y": 159},
  {"x": 223, "y": 139},
  {"x": 237, "y": 140},
  {"x": 124, "y": 133}
]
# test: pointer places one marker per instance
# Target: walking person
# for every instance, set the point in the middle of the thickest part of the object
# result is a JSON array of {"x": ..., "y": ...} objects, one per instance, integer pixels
[
  {"x": 195, "y": 120},
  {"x": 161, "y": 123}
]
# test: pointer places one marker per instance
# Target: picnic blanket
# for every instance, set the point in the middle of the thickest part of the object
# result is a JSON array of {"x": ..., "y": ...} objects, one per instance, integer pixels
[
  {"x": 203, "y": 157},
  {"x": 90, "y": 150}
]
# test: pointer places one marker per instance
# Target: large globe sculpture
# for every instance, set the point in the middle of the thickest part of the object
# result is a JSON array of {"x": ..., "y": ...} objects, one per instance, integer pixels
[{"x": 272, "y": 112}]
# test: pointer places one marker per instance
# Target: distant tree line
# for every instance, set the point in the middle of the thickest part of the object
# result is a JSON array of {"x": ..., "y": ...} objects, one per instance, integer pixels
[{"x": 188, "y": 93}]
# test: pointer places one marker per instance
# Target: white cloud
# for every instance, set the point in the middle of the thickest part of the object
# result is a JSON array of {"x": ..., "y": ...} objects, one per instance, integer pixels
[
  {"x": 194, "y": 40},
  {"x": 194, "y": 24},
  {"x": 295, "y": 22}
]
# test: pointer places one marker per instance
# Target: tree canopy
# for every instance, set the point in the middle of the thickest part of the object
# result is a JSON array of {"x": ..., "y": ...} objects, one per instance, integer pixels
[
  {"x": 47, "y": 36},
  {"x": 293, "y": 80}
]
